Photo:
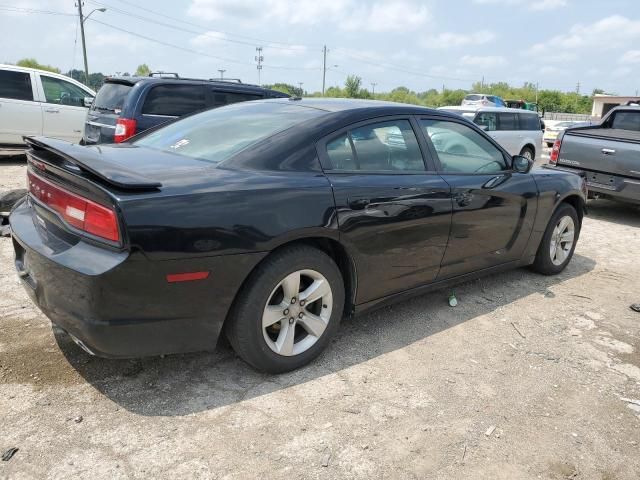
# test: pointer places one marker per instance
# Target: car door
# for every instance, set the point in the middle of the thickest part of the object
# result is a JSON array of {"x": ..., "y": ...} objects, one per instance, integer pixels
[
  {"x": 508, "y": 134},
  {"x": 393, "y": 212},
  {"x": 63, "y": 109},
  {"x": 20, "y": 112},
  {"x": 493, "y": 206}
]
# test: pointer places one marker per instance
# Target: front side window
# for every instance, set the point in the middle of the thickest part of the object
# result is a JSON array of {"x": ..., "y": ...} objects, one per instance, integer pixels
[
  {"x": 62, "y": 92},
  {"x": 489, "y": 120},
  {"x": 15, "y": 85},
  {"x": 508, "y": 121},
  {"x": 462, "y": 149},
  {"x": 529, "y": 121},
  {"x": 216, "y": 135},
  {"x": 174, "y": 100},
  {"x": 386, "y": 146}
]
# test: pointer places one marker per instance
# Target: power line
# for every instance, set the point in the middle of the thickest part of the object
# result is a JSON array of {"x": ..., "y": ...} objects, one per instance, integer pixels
[
  {"x": 9, "y": 8},
  {"x": 189, "y": 50},
  {"x": 203, "y": 30}
]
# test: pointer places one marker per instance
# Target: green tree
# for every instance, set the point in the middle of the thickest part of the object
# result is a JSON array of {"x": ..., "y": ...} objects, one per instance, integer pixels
[
  {"x": 33, "y": 63},
  {"x": 352, "y": 86},
  {"x": 143, "y": 70}
]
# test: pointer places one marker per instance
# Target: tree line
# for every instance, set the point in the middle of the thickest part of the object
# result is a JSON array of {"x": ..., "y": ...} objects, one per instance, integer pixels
[{"x": 548, "y": 100}]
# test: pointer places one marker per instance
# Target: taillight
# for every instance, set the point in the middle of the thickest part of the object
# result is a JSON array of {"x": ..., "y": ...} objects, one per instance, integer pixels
[
  {"x": 77, "y": 211},
  {"x": 555, "y": 151},
  {"x": 125, "y": 129}
]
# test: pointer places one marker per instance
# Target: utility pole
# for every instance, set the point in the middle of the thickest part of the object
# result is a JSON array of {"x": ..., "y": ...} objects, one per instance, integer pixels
[
  {"x": 373, "y": 88},
  {"x": 324, "y": 67},
  {"x": 536, "y": 93},
  {"x": 84, "y": 45},
  {"x": 221, "y": 73},
  {"x": 300, "y": 85},
  {"x": 259, "y": 59},
  {"x": 482, "y": 85}
]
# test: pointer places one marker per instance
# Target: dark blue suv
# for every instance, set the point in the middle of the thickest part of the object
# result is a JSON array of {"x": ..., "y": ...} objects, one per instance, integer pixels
[{"x": 125, "y": 106}]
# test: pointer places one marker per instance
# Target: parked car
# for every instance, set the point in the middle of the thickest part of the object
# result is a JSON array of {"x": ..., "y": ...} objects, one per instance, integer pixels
[
  {"x": 37, "y": 102},
  {"x": 126, "y": 106},
  {"x": 522, "y": 105},
  {"x": 518, "y": 131},
  {"x": 607, "y": 154},
  {"x": 270, "y": 220},
  {"x": 481, "y": 100},
  {"x": 551, "y": 131}
]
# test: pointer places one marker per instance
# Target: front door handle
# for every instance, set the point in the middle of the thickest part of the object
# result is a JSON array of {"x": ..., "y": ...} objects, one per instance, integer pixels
[
  {"x": 52, "y": 110},
  {"x": 495, "y": 181},
  {"x": 608, "y": 151}
]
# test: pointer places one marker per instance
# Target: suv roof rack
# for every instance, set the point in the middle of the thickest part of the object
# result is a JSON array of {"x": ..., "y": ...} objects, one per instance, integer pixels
[
  {"x": 164, "y": 74},
  {"x": 230, "y": 80}
]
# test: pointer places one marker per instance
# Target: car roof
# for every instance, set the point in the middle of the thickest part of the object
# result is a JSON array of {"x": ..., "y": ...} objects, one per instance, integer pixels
[
  {"x": 471, "y": 108},
  {"x": 133, "y": 80},
  {"x": 352, "y": 104},
  {"x": 17, "y": 68}
]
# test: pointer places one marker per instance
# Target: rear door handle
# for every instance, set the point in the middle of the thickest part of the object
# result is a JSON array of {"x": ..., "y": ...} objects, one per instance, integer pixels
[
  {"x": 608, "y": 151},
  {"x": 52, "y": 110}
]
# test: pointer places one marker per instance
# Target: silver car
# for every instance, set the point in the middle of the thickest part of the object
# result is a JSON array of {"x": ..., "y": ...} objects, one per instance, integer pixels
[{"x": 482, "y": 100}]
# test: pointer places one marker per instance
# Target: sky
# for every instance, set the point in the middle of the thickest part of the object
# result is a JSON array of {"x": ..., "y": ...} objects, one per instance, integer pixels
[{"x": 418, "y": 44}]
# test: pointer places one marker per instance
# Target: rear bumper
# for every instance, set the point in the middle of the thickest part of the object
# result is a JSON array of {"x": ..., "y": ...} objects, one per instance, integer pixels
[
  {"x": 119, "y": 304},
  {"x": 611, "y": 186}
]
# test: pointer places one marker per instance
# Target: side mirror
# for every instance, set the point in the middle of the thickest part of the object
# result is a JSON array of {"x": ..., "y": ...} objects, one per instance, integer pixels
[
  {"x": 521, "y": 164},
  {"x": 88, "y": 101}
]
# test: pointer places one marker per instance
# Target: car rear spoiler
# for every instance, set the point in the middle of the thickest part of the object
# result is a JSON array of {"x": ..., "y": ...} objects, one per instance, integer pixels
[{"x": 90, "y": 161}]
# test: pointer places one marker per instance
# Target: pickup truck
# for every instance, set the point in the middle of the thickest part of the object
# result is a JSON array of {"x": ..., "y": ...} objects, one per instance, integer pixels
[{"x": 607, "y": 154}]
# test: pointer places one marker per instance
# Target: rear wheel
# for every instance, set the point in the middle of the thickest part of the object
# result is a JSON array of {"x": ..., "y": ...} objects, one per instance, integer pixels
[
  {"x": 528, "y": 152},
  {"x": 288, "y": 310},
  {"x": 559, "y": 241}
]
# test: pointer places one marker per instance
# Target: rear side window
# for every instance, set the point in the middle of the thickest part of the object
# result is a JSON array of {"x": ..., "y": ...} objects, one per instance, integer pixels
[
  {"x": 174, "y": 100},
  {"x": 529, "y": 122},
  {"x": 385, "y": 146},
  {"x": 473, "y": 98},
  {"x": 626, "y": 121},
  {"x": 508, "y": 121},
  {"x": 111, "y": 97},
  {"x": 16, "y": 85},
  {"x": 221, "y": 98},
  {"x": 61, "y": 92}
]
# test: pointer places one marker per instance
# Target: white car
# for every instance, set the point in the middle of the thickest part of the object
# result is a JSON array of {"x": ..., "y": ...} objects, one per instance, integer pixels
[
  {"x": 518, "y": 131},
  {"x": 37, "y": 102},
  {"x": 482, "y": 100}
]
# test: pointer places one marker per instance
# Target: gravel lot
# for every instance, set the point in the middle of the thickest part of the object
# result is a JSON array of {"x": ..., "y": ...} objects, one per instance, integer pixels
[{"x": 529, "y": 377}]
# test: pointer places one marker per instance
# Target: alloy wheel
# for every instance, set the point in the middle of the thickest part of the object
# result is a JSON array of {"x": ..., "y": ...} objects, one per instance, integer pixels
[
  {"x": 297, "y": 312},
  {"x": 562, "y": 240}
]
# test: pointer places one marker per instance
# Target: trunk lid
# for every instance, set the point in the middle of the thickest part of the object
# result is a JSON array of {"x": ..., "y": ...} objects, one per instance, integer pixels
[{"x": 606, "y": 150}]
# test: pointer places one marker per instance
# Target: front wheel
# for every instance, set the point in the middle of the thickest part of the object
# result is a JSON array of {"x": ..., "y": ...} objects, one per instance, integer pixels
[
  {"x": 288, "y": 310},
  {"x": 559, "y": 241},
  {"x": 528, "y": 153}
]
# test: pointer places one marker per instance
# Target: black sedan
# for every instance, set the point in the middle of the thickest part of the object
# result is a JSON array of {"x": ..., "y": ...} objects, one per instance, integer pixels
[{"x": 271, "y": 220}]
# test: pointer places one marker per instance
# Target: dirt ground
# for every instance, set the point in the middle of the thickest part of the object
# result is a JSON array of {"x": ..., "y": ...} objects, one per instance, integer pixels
[{"x": 529, "y": 377}]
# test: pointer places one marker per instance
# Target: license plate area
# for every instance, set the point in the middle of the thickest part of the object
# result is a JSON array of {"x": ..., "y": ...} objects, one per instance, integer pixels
[{"x": 602, "y": 180}]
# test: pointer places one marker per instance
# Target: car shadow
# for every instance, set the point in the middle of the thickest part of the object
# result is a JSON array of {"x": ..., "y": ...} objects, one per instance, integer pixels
[
  {"x": 13, "y": 160},
  {"x": 614, "y": 212},
  {"x": 177, "y": 385}
]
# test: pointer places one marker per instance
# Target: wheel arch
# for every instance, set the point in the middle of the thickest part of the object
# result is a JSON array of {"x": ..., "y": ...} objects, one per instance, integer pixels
[
  {"x": 334, "y": 249},
  {"x": 576, "y": 201},
  {"x": 529, "y": 146}
]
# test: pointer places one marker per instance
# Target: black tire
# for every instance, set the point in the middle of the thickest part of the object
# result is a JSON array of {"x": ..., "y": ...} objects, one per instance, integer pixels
[
  {"x": 244, "y": 325},
  {"x": 528, "y": 150},
  {"x": 543, "y": 263}
]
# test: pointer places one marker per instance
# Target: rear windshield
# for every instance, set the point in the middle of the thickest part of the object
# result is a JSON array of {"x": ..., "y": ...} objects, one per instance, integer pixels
[
  {"x": 111, "y": 97},
  {"x": 473, "y": 98},
  {"x": 218, "y": 134},
  {"x": 626, "y": 121}
]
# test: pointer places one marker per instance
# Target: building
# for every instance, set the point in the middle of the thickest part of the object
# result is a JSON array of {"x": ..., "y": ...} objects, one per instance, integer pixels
[{"x": 603, "y": 103}]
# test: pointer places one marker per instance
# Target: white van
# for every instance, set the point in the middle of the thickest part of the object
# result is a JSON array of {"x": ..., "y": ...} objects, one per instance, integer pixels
[
  {"x": 518, "y": 131},
  {"x": 37, "y": 102}
]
